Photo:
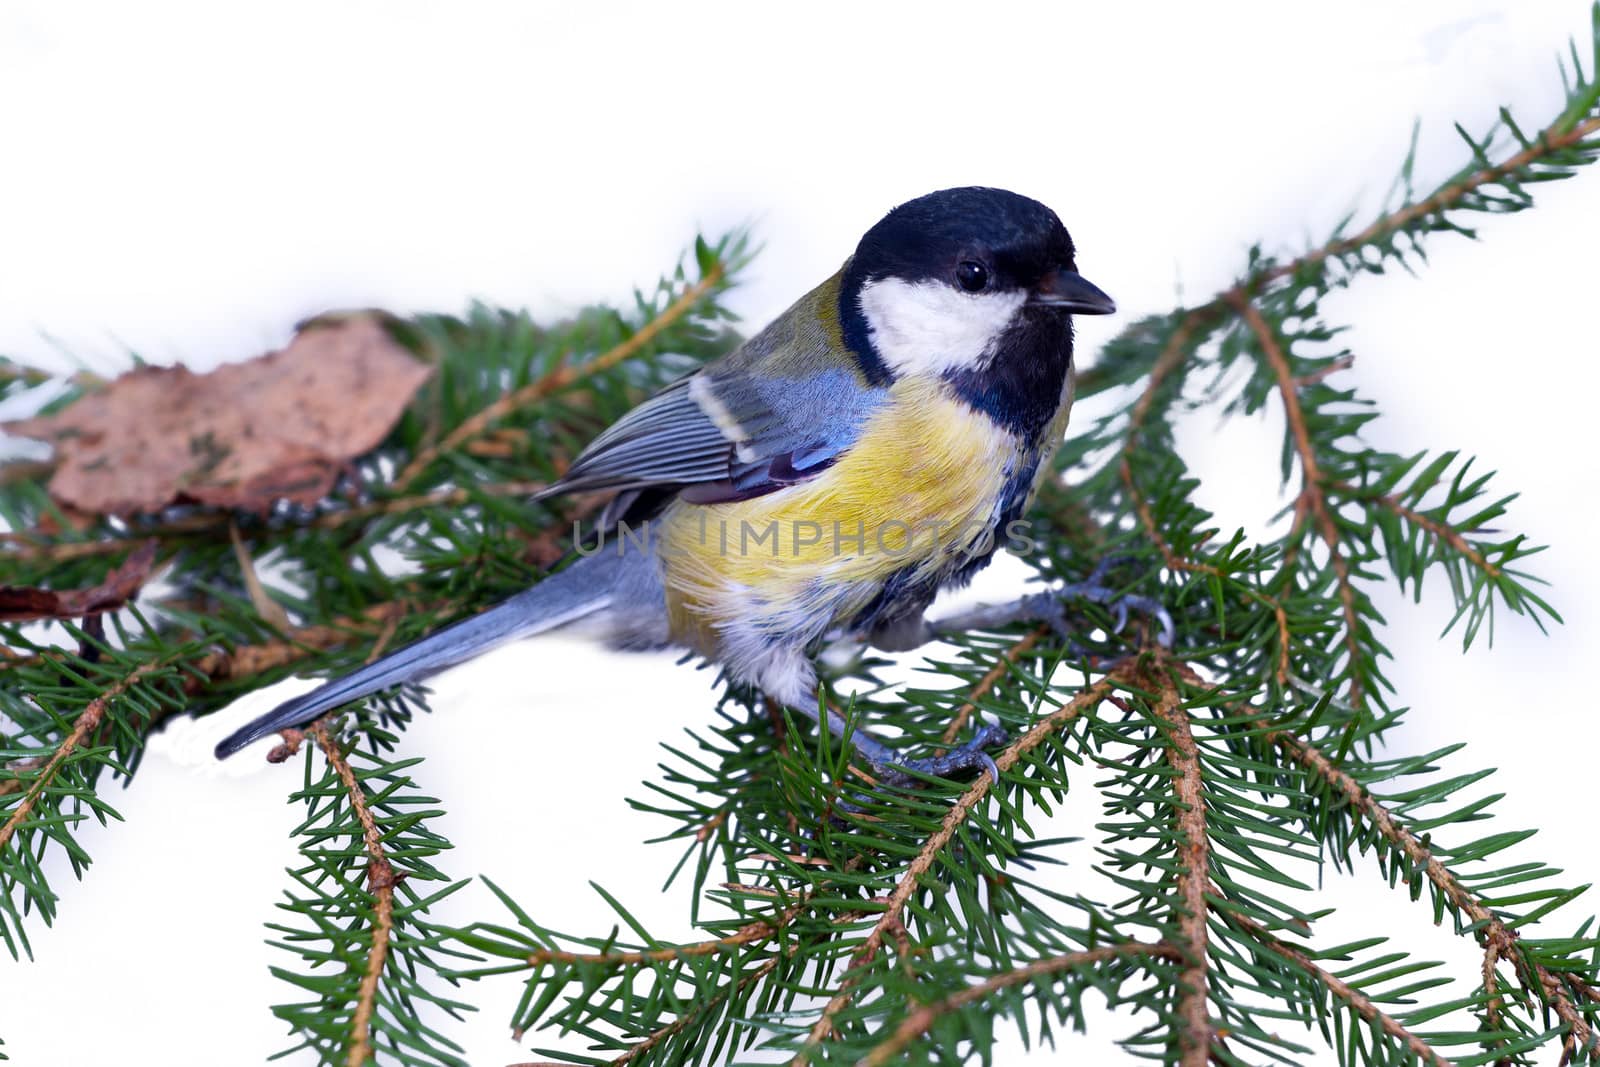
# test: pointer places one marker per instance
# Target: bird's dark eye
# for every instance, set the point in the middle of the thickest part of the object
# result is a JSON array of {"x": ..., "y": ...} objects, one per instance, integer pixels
[{"x": 972, "y": 275}]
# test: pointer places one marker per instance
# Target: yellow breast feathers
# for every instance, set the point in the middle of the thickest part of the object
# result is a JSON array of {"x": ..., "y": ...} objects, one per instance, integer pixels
[{"x": 919, "y": 489}]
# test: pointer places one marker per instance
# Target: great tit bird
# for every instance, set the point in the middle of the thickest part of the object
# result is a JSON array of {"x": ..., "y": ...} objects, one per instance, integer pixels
[{"x": 869, "y": 448}]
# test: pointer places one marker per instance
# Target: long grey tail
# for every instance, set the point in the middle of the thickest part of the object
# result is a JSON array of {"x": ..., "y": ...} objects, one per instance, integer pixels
[{"x": 581, "y": 589}]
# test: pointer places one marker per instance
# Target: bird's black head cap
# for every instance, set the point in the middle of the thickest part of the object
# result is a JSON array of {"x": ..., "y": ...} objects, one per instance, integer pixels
[
  {"x": 1006, "y": 252},
  {"x": 971, "y": 236},
  {"x": 1017, "y": 239}
]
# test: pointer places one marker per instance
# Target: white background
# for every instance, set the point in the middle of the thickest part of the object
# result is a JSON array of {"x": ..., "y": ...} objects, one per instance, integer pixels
[{"x": 187, "y": 180}]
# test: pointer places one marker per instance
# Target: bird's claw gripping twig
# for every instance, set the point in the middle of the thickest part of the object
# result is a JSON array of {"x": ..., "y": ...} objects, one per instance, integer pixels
[
  {"x": 1051, "y": 606},
  {"x": 891, "y": 767}
]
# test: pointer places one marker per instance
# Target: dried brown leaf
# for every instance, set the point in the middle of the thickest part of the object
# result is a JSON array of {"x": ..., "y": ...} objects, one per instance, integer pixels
[
  {"x": 247, "y": 435},
  {"x": 20, "y": 603}
]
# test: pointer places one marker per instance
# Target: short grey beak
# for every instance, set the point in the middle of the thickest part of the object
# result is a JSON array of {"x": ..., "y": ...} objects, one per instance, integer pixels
[{"x": 1071, "y": 291}]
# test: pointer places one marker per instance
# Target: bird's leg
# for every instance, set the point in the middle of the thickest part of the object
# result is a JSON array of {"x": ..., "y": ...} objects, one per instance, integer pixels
[
  {"x": 891, "y": 766},
  {"x": 1051, "y": 607},
  {"x": 789, "y": 678}
]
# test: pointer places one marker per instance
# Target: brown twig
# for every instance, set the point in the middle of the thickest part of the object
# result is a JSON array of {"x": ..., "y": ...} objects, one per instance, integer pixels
[
  {"x": 246, "y": 660},
  {"x": 1357, "y": 1000},
  {"x": 711, "y": 826},
  {"x": 920, "y": 1021},
  {"x": 750, "y": 933},
  {"x": 270, "y": 610},
  {"x": 1292, "y": 542},
  {"x": 923, "y": 862},
  {"x": 1488, "y": 927},
  {"x": 19, "y": 768},
  {"x": 986, "y": 684},
  {"x": 25, "y": 544},
  {"x": 1343, "y": 363},
  {"x": 1492, "y": 950},
  {"x": 562, "y": 376},
  {"x": 1189, "y": 811},
  {"x": 1439, "y": 530},
  {"x": 381, "y": 881},
  {"x": 1311, "y": 491},
  {"x": 1550, "y": 139},
  {"x": 28, "y": 549},
  {"x": 1171, "y": 356},
  {"x": 84, "y": 727},
  {"x": 384, "y": 637},
  {"x": 701, "y": 1006}
]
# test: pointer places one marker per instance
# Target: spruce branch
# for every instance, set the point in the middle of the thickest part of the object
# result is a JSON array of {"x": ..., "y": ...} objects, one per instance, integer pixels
[
  {"x": 1173, "y": 353},
  {"x": 84, "y": 728},
  {"x": 212, "y": 641},
  {"x": 380, "y": 883},
  {"x": 759, "y": 930},
  {"x": 836, "y": 918},
  {"x": 51, "y": 785},
  {"x": 1437, "y": 528},
  {"x": 1552, "y": 153},
  {"x": 1189, "y": 813},
  {"x": 654, "y": 1039},
  {"x": 985, "y": 685},
  {"x": 1311, "y": 499},
  {"x": 923, "y": 1019},
  {"x": 361, "y": 916},
  {"x": 1559, "y": 144},
  {"x": 713, "y": 276},
  {"x": 920, "y": 865},
  {"x": 218, "y": 524},
  {"x": 1550, "y": 984},
  {"x": 1358, "y": 1001}
]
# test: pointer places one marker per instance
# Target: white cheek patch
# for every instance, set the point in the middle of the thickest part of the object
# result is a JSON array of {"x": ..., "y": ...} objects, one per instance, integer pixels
[{"x": 930, "y": 327}]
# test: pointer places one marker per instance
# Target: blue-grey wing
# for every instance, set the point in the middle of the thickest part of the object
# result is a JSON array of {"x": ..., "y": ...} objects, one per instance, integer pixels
[
  {"x": 778, "y": 410},
  {"x": 667, "y": 439},
  {"x": 727, "y": 436}
]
